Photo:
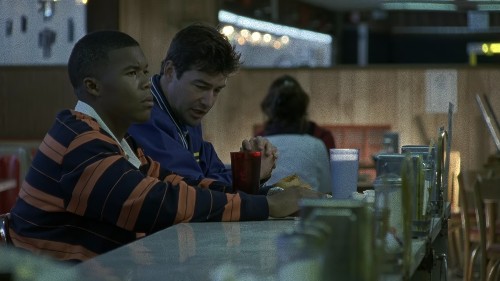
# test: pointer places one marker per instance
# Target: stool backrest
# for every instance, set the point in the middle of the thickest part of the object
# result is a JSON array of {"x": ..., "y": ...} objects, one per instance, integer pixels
[{"x": 487, "y": 198}]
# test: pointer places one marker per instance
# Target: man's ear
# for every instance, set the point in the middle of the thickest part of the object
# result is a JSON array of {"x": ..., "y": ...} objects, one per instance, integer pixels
[
  {"x": 169, "y": 70},
  {"x": 91, "y": 86}
]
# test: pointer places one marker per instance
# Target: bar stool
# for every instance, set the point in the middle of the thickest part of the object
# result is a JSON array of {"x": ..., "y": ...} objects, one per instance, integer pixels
[
  {"x": 487, "y": 197},
  {"x": 4, "y": 229},
  {"x": 470, "y": 232}
]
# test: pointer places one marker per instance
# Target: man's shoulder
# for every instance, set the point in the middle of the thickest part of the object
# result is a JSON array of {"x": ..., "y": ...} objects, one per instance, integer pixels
[
  {"x": 158, "y": 118},
  {"x": 73, "y": 128},
  {"x": 75, "y": 122},
  {"x": 159, "y": 125}
]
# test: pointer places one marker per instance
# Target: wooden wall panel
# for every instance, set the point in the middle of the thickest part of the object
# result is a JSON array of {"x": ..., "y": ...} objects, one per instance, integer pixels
[
  {"x": 370, "y": 96},
  {"x": 154, "y": 22},
  {"x": 31, "y": 96}
]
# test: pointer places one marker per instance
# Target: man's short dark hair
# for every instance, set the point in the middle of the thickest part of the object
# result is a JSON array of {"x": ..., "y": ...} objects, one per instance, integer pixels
[
  {"x": 203, "y": 48},
  {"x": 91, "y": 51}
]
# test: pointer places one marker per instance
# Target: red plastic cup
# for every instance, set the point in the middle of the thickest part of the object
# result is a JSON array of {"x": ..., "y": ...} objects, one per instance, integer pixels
[{"x": 245, "y": 166}]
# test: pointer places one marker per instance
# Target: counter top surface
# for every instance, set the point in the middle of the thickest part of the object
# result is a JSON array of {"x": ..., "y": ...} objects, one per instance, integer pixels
[
  {"x": 195, "y": 251},
  {"x": 207, "y": 251}
]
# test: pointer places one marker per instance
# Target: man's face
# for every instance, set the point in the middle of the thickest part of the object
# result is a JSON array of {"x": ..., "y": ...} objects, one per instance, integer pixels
[
  {"x": 124, "y": 87},
  {"x": 193, "y": 95}
]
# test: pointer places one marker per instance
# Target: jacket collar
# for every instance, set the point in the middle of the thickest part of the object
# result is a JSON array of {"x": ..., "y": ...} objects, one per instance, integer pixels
[{"x": 162, "y": 102}]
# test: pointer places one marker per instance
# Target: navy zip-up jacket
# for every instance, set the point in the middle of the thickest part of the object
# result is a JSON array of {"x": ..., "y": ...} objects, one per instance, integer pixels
[{"x": 177, "y": 147}]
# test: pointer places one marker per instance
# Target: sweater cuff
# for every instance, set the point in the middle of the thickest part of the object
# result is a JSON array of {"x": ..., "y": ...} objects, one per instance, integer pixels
[{"x": 253, "y": 207}]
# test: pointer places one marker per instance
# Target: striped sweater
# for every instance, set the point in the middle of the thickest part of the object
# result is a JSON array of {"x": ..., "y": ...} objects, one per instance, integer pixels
[{"x": 81, "y": 197}]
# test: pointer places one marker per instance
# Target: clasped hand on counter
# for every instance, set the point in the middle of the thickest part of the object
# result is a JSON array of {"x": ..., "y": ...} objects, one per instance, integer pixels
[{"x": 284, "y": 203}]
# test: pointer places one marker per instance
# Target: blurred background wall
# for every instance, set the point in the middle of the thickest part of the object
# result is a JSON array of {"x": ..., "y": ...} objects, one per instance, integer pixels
[{"x": 383, "y": 82}]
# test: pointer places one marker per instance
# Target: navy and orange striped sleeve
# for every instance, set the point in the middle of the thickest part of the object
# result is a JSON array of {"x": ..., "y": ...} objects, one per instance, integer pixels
[
  {"x": 100, "y": 183},
  {"x": 152, "y": 168},
  {"x": 81, "y": 197}
]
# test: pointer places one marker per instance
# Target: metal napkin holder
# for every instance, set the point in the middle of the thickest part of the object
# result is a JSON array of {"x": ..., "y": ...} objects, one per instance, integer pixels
[{"x": 348, "y": 241}]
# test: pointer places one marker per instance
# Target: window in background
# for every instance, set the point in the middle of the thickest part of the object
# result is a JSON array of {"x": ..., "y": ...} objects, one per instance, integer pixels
[{"x": 265, "y": 44}]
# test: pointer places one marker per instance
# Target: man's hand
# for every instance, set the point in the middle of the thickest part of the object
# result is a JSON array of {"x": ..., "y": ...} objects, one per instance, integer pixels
[
  {"x": 286, "y": 202},
  {"x": 269, "y": 154}
]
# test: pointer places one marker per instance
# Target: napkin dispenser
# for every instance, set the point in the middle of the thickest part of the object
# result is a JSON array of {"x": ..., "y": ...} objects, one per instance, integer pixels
[
  {"x": 389, "y": 163},
  {"x": 348, "y": 242},
  {"x": 421, "y": 175},
  {"x": 429, "y": 157}
]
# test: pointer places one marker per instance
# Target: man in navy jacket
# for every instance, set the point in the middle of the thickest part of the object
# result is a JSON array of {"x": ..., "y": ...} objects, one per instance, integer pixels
[{"x": 197, "y": 65}]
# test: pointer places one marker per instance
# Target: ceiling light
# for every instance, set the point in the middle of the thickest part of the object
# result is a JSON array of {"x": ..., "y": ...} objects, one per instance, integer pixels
[
  {"x": 423, "y": 6},
  {"x": 263, "y": 26},
  {"x": 245, "y": 33},
  {"x": 285, "y": 39},
  {"x": 256, "y": 36},
  {"x": 267, "y": 38},
  {"x": 47, "y": 8},
  {"x": 227, "y": 30},
  {"x": 488, "y": 7}
]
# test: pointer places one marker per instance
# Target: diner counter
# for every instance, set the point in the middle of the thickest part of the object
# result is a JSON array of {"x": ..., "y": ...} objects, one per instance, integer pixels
[
  {"x": 195, "y": 251},
  {"x": 419, "y": 248},
  {"x": 207, "y": 251}
]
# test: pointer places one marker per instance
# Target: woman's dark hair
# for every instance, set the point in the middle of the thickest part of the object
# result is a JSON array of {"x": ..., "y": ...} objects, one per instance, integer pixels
[
  {"x": 203, "y": 48},
  {"x": 286, "y": 100},
  {"x": 285, "y": 106}
]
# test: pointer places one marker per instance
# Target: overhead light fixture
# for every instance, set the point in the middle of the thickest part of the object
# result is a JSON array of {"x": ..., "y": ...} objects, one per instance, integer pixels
[
  {"x": 475, "y": 49},
  {"x": 421, "y": 6},
  {"x": 244, "y": 36},
  {"x": 488, "y": 7},
  {"x": 47, "y": 8},
  {"x": 268, "y": 27},
  {"x": 490, "y": 48}
]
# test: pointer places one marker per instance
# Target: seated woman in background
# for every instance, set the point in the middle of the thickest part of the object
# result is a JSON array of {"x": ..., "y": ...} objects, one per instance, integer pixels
[
  {"x": 285, "y": 107},
  {"x": 304, "y": 156},
  {"x": 301, "y": 143}
]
